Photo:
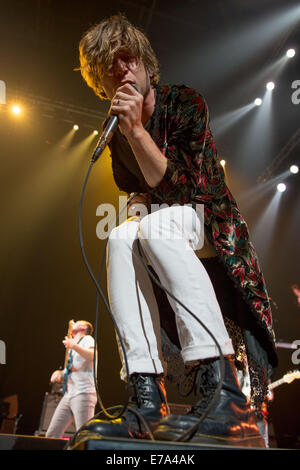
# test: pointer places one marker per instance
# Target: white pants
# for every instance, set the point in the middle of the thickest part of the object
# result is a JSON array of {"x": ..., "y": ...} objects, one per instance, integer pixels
[
  {"x": 79, "y": 408},
  {"x": 168, "y": 238}
]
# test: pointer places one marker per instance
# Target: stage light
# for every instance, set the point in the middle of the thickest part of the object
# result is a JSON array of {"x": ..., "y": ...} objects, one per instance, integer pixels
[
  {"x": 75, "y": 127},
  {"x": 95, "y": 132},
  {"x": 270, "y": 86},
  {"x": 258, "y": 101},
  {"x": 294, "y": 169},
  {"x": 290, "y": 53},
  {"x": 16, "y": 109},
  {"x": 281, "y": 187},
  {"x": 223, "y": 162}
]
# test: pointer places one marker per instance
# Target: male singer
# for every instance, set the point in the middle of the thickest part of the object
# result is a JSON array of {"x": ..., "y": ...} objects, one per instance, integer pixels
[{"x": 163, "y": 149}]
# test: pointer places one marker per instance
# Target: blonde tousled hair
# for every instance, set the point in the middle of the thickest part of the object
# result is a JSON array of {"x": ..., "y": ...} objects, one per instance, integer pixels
[{"x": 99, "y": 45}]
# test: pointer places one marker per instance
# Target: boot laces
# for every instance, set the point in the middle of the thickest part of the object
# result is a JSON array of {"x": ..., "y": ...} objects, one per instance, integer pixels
[
  {"x": 140, "y": 389},
  {"x": 201, "y": 383}
]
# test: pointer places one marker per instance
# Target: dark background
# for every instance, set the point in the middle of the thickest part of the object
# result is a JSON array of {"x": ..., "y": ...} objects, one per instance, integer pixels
[{"x": 223, "y": 48}]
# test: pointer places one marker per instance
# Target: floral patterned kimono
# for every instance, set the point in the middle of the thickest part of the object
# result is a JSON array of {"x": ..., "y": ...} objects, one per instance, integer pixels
[{"x": 180, "y": 128}]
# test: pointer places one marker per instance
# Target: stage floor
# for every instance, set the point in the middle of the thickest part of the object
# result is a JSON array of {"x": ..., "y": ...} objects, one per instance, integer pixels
[{"x": 23, "y": 442}]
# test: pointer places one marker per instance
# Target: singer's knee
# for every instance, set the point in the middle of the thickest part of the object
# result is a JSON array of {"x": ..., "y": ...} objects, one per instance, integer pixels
[
  {"x": 163, "y": 223},
  {"x": 148, "y": 226},
  {"x": 123, "y": 235}
]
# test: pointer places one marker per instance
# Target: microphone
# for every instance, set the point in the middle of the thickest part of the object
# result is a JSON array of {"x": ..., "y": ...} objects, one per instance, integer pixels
[
  {"x": 106, "y": 137},
  {"x": 107, "y": 134}
]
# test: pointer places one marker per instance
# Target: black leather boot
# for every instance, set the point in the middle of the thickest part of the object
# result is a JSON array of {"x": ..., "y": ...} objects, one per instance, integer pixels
[
  {"x": 230, "y": 421},
  {"x": 148, "y": 398}
]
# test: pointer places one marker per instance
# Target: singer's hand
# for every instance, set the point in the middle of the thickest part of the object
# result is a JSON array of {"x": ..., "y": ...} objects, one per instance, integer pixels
[
  {"x": 133, "y": 112},
  {"x": 127, "y": 104},
  {"x": 135, "y": 203}
]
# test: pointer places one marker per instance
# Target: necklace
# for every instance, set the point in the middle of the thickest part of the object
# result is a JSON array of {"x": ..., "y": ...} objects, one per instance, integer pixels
[{"x": 152, "y": 124}]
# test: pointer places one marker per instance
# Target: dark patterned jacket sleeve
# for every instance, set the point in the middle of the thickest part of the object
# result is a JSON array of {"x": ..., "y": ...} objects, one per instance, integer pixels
[
  {"x": 186, "y": 146},
  {"x": 194, "y": 174}
]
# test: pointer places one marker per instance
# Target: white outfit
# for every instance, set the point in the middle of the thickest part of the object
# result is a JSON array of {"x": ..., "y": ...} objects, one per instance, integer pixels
[
  {"x": 81, "y": 379},
  {"x": 168, "y": 238},
  {"x": 80, "y": 399}
]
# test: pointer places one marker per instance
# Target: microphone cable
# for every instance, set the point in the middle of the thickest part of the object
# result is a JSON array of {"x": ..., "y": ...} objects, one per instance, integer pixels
[
  {"x": 187, "y": 434},
  {"x": 101, "y": 294}
]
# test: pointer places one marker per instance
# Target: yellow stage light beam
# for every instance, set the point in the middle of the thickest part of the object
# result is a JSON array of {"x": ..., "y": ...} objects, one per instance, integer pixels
[
  {"x": 65, "y": 142},
  {"x": 82, "y": 149},
  {"x": 53, "y": 177}
]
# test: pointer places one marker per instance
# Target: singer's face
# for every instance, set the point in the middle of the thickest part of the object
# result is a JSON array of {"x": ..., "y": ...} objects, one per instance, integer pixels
[
  {"x": 77, "y": 326},
  {"x": 126, "y": 69}
]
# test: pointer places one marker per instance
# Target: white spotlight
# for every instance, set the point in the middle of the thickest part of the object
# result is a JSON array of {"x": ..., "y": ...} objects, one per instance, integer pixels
[
  {"x": 270, "y": 86},
  {"x": 294, "y": 169},
  {"x": 258, "y": 101},
  {"x": 223, "y": 162},
  {"x": 290, "y": 53},
  {"x": 95, "y": 132},
  {"x": 75, "y": 127},
  {"x": 281, "y": 187}
]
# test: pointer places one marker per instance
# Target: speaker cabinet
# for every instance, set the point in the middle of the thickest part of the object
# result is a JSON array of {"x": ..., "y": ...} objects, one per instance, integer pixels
[{"x": 50, "y": 404}]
